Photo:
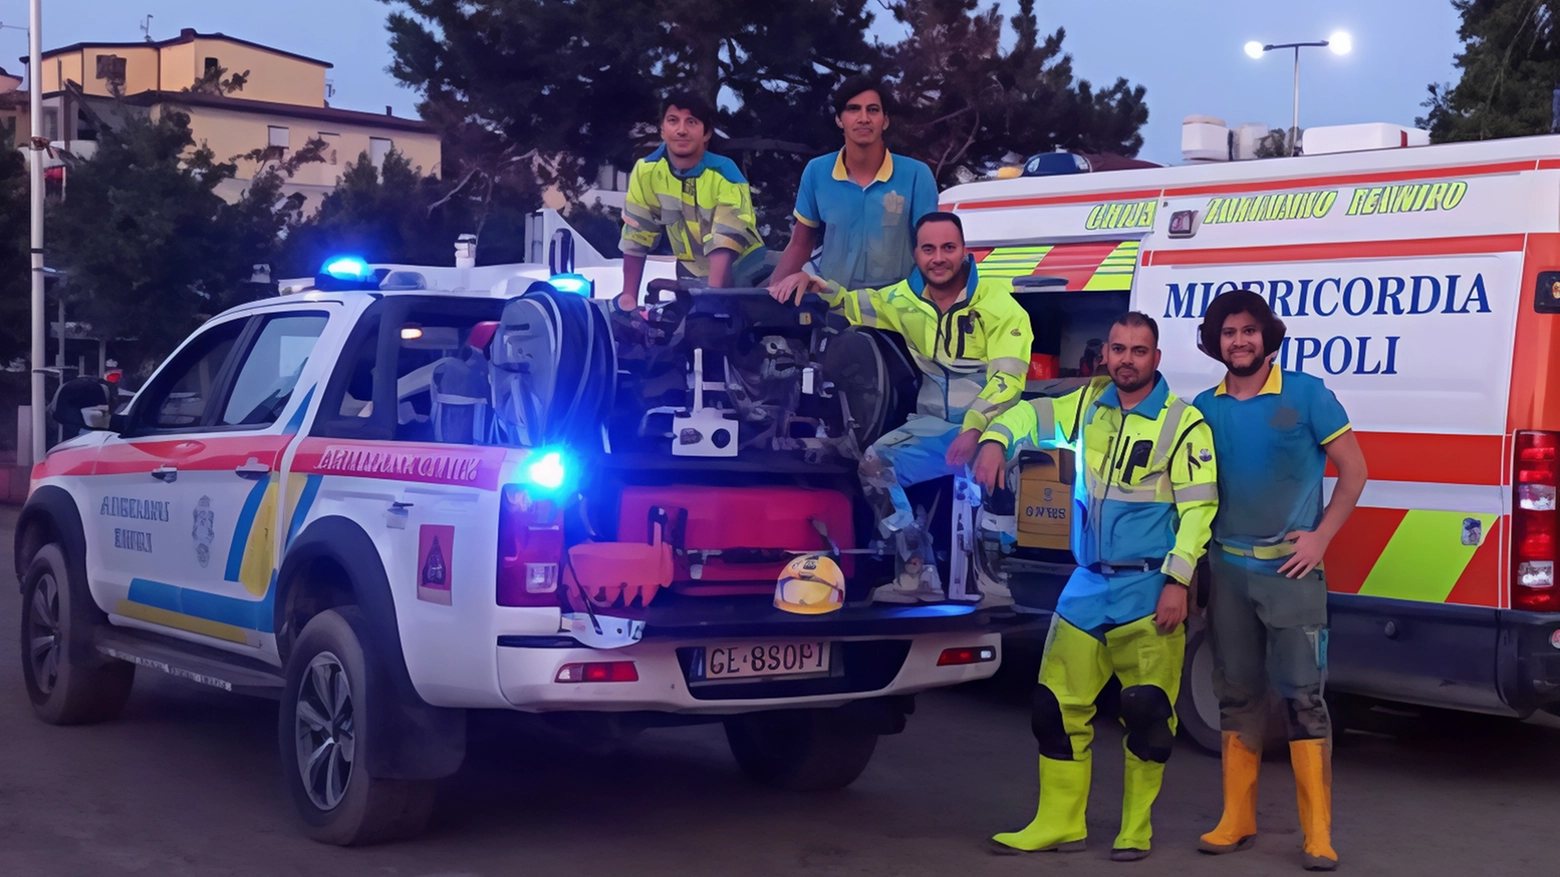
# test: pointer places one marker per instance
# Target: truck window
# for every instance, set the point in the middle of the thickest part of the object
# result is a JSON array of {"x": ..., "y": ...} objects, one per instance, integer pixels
[
  {"x": 179, "y": 398},
  {"x": 431, "y": 338},
  {"x": 270, "y": 371}
]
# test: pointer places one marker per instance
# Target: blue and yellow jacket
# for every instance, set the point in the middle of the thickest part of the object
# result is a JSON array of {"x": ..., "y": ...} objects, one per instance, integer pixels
[
  {"x": 1147, "y": 485},
  {"x": 706, "y": 208},
  {"x": 974, "y": 357}
]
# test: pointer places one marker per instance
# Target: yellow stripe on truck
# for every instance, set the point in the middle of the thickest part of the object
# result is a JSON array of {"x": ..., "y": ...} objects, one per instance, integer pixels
[{"x": 1425, "y": 556}]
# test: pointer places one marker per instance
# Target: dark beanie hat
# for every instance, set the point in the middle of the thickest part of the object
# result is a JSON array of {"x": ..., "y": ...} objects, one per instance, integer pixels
[{"x": 1239, "y": 301}]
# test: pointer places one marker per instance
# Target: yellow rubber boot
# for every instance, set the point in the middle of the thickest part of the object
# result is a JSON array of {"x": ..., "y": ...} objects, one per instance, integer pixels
[
  {"x": 1237, "y": 828},
  {"x": 1059, "y": 821},
  {"x": 1141, "y": 783},
  {"x": 1313, "y": 789}
]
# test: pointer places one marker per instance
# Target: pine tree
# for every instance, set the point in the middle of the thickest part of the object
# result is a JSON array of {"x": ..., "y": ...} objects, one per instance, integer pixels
[{"x": 1510, "y": 69}]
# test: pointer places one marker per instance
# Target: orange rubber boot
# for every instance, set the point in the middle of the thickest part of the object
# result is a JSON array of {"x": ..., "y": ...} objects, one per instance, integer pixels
[
  {"x": 1313, "y": 791},
  {"x": 1237, "y": 829}
]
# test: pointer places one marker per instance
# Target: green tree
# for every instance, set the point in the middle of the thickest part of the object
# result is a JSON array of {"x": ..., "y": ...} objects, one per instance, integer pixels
[
  {"x": 568, "y": 87},
  {"x": 967, "y": 102},
  {"x": 395, "y": 213},
  {"x": 142, "y": 234},
  {"x": 15, "y": 276},
  {"x": 1510, "y": 67}
]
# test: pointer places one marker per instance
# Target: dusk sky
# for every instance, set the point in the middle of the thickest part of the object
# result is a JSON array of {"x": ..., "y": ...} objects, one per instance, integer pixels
[{"x": 1188, "y": 54}]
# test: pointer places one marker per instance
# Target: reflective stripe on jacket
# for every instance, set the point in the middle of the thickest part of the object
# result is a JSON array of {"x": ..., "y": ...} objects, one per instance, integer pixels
[
  {"x": 1147, "y": 486},
  {"x": 705, "y": 209},
  {"x": 975, "y": 357}
]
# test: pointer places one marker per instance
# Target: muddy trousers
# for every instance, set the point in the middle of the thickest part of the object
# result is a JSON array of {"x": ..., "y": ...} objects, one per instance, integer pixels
[
  {"x": 1074, "y": 670},
  {"x": 1268, "y": 629}
]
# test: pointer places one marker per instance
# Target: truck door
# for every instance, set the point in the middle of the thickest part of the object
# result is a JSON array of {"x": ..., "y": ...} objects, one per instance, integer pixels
[{"x": 207, "y": 437}]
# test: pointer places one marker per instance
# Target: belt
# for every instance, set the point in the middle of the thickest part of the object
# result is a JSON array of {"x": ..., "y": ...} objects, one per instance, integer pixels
[
  {"x": 1261, "y": 552},
  {"x": 1111, "y": 569}
]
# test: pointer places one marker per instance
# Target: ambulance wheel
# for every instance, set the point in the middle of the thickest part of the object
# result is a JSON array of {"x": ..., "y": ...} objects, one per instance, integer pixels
[
  {"x": 1197, "y": 707},
  {"x": 68, "y": 682},
  {"x": 325, "y": 731},
  {"x": 799, "y": 750}
]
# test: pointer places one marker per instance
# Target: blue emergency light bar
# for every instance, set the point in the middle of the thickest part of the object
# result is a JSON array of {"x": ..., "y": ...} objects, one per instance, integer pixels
[
  {"x": 341, "y": 273},
  {"x": 575, "y": 283}
]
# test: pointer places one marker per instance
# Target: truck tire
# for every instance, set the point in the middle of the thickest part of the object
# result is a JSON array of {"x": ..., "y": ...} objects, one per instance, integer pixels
[
  {"x": 68, "y": 682},
  {"x": 1197, "y": 707},
  {"x": 324, "y": 733},
  {"x": 799, "y": 750}
]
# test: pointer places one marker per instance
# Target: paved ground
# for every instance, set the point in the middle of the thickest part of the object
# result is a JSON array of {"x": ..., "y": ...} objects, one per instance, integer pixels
[{"x": 187, "y": 783}]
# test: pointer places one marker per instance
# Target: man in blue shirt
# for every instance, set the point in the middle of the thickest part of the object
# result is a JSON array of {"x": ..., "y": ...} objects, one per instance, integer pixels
[
  {"x": 1274, "y": 433},
  {"x": 862, "y": 202}
]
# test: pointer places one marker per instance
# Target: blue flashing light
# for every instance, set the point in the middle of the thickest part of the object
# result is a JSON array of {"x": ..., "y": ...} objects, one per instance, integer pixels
[
  {"x": 575, "y": 283},
  {"x": 347, "y": 268},
  {"x": 548, "y": 472}
]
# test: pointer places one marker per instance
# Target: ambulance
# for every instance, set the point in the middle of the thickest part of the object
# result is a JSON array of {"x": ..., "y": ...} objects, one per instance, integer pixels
[{"x": 1422, "y": 283}]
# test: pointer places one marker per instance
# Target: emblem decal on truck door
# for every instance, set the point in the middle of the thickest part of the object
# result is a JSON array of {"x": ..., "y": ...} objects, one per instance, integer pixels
[
  {"x": 435, "y": 548},
  {"x": 205, "y": 530}
]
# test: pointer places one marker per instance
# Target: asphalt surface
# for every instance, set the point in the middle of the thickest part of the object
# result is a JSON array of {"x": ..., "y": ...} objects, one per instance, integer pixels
[{"x": 187, "y": 782}]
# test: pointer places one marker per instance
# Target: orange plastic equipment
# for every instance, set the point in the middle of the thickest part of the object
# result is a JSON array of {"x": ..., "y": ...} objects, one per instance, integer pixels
[{"x": 618, "y": 573}]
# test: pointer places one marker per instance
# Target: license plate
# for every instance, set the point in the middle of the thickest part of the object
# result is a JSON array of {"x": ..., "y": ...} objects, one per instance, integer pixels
[{"x": 766, "y": 659}]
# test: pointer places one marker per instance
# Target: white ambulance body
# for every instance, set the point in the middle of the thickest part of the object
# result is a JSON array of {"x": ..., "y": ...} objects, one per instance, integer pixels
[{"x": 1423, "y": 284}]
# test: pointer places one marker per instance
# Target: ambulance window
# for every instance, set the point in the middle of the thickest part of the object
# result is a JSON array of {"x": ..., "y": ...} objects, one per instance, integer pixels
[
  {"x": 179, "y": 397},
  {"x": 270, "y": 371},
  {"x": 347, "y": 408}
]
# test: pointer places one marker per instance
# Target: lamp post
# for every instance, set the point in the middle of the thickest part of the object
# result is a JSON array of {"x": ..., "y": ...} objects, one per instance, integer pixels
[{"x": 1340, "y": 43}]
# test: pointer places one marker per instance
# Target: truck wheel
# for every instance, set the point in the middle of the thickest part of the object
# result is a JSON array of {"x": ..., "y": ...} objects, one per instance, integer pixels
[
  {"x": 67, "y": 681},
  {"x": 799, "y": 750},
  {"x": 325, "y": 731},
  {"x": 1197, "y": 707}
]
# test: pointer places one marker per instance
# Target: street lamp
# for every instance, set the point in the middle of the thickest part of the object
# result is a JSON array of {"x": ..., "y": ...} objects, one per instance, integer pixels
[{"x": 1340, "y": 43}]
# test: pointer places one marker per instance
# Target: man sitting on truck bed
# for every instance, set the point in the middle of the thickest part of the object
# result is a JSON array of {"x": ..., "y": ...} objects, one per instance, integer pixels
[
  {"x": 698, "y": 201},
  {"x": 971, "y": 341}
]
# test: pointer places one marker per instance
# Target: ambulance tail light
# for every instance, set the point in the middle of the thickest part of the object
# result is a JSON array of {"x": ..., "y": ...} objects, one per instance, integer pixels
[
  {"x": 1535, "y": 522},
  {"x": 530, "y": 548}
]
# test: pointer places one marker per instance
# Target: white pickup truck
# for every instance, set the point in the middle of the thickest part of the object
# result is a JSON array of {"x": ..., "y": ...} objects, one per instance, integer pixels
[{"x": 406, "y": 493}]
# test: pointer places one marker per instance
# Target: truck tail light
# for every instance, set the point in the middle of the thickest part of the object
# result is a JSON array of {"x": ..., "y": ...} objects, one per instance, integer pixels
[
  {"x": 1535, "y": 522},
  {"x": 602, "y": 671},
  {"x": 530, "y": 549},
  {"x": 971, "y": 655}
]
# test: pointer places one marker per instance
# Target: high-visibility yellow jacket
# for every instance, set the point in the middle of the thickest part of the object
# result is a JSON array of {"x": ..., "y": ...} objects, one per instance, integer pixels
[
  {"x": 705, "y": 209},
  {"x": 974, "y": 357},
  {"x": 1148, "y": 483}
]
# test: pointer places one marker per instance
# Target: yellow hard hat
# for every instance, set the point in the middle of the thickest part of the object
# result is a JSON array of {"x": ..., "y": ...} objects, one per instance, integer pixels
[{"x": 810, "y": 584}]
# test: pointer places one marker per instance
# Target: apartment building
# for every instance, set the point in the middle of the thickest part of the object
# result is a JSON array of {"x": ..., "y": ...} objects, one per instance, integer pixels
[{"x": 282, "y": 106}]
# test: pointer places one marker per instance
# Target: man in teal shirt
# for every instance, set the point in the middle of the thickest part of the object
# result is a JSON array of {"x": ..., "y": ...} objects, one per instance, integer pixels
[
  {"x": 1274, "y": 433},
  {"x": 862, "y": 202}
]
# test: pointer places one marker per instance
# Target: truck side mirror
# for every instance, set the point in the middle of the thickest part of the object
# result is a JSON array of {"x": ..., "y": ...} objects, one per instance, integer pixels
[{"x": 83, "y": 404}]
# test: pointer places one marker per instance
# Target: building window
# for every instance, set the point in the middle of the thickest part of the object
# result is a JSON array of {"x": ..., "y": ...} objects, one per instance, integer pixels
[
  {"x": 378, "y": 149},
  {"x": 111, "y": 68},
  {"x": 329, "y": 154},
  {"x": 10, "y": 131},
  {"x": 51, "y": 124},
  {"x": 212, "y": 67},
  {"x": 279, "y": 137}
]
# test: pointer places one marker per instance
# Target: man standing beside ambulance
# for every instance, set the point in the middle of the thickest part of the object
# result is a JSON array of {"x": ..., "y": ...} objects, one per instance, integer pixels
[
  {"x": 1143, "y": 501},
  {"x": 1274, "y": 432}
]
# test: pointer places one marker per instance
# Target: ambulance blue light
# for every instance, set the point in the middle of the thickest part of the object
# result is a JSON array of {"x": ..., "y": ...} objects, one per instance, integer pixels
[
  {"x": 347, "y": 268},
  {"x": 548, "y": 472},
  {"x": 574, "y": 283}
]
